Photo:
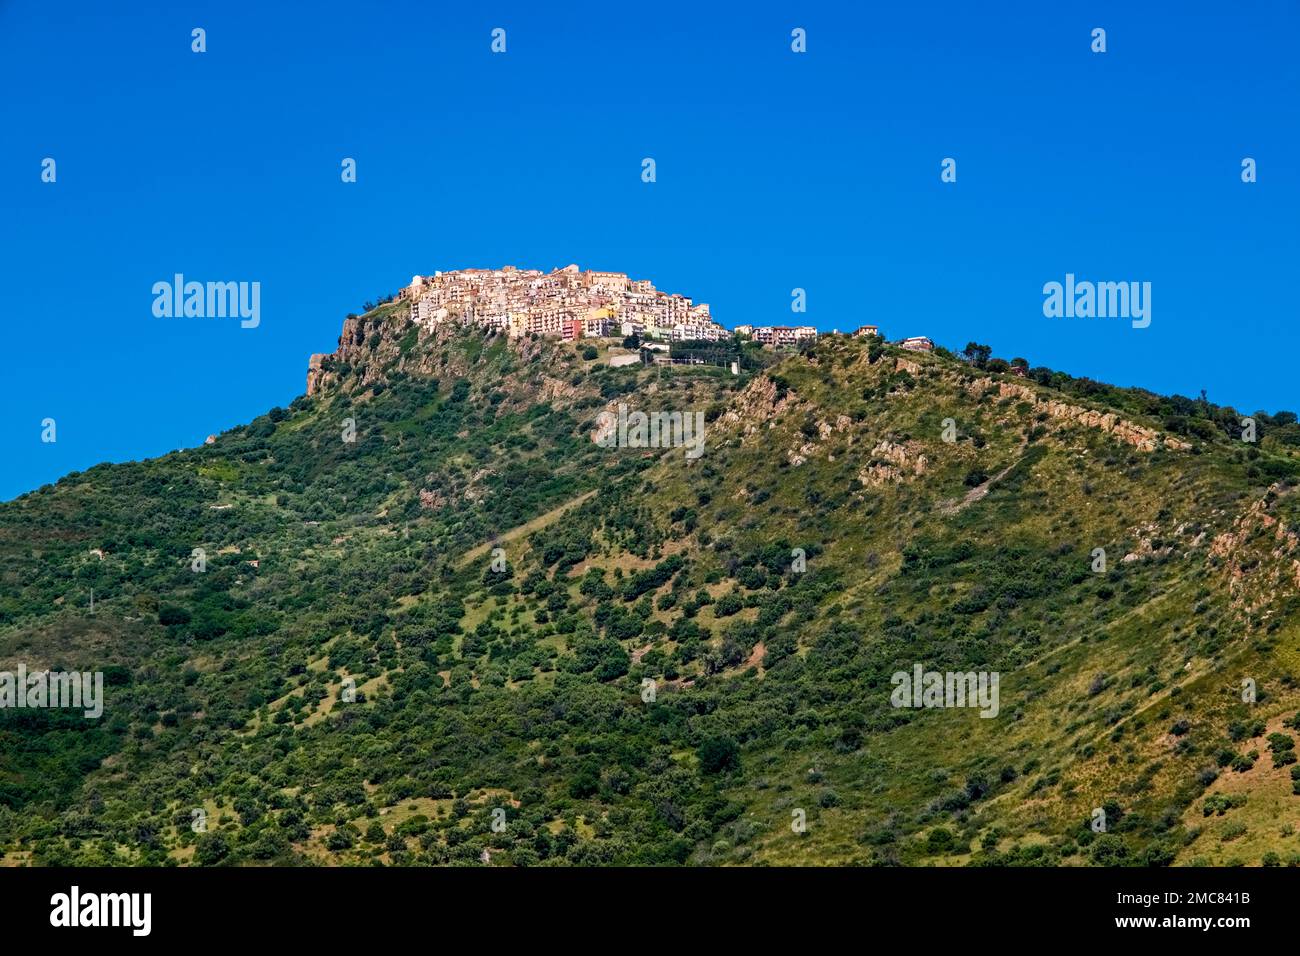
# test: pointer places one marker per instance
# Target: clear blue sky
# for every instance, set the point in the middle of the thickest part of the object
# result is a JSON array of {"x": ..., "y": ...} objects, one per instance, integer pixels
[{"x": 775, "y": 171}]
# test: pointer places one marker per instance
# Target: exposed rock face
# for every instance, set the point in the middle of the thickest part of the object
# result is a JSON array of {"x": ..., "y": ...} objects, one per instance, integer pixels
[
  {"x": 892, "y": 463},
  {"x": 368, "y": 344},
  {"x": 1140, "y": 437},
  {"x": 374, "y": 346},
  {"x": 826, "y": 429},
  {"x": 755, "y": 408},
  {"x": 1145, "y": 535},
  {"x": 797, "y": 456},
  {"x": 315, "y": 374},
  {"x": 1259, "y": 556},
  {"x": 556, "y": 390}
]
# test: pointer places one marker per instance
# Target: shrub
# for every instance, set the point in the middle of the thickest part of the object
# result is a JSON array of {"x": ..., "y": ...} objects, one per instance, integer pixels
[
  {"x": 719, "y": 754},
  {"x": 940, "y": 840},
  {"x": 170, "y": 614}
]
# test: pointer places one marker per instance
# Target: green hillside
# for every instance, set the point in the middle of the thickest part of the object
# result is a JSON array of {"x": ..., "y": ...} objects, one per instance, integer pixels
[{"x": 684, "y": 661}]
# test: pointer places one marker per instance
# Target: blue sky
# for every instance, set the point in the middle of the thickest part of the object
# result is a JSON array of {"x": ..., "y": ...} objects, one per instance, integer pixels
[{"x": 775, "y": 170}]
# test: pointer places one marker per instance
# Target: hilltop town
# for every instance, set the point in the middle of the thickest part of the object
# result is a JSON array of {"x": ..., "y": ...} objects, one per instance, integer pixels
[
  {"x": 639, "y": 323},
  {"x": 571, "y": 304},
  {"x": 567, "y": 303}
]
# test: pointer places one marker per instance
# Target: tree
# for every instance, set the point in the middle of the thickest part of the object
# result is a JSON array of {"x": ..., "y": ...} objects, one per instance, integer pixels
[
  {"x": 940, "y": 840},
  {"x": 211, "y": 849},
  {"x": 170, "y": 614},
  {"x": 719, "y": 754},
  {"x": 1109, "y": 850},
  {"x": 976, "y": 354},
  {"x": 728, "y": 605}
]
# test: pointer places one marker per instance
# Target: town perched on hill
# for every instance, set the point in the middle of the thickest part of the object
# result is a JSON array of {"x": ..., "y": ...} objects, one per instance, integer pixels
[
  {"x": 428, "y": 614},
  {"x": 567, "y": 303},
  {"x": 571, "y": 304}
]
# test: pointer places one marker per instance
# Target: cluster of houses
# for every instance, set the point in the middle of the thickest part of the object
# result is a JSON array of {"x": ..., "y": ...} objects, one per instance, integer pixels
[
  {"x": 567, "y": 303},
  {"x": 572, "y": 304},
  {"x": 778, "y": 336},
  {"x": 791, "y": 336},
  {"x": 915, "y": 343}
]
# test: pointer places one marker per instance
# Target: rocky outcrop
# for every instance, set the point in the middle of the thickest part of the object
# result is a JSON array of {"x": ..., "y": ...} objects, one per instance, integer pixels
[
  {"x": 892, "y": 463},
  {"x": 1146, "y": 536},
  {"x": 1259, "y": 555},
  {"x": 1138, "y": 436},
  {"x": 800, "y": 454},
  {"x": 315, "y": 373},
  {"x": 755, "y": 409},
  {"x": 375, "y": 346},
  {"x": 354, "y": 351}
]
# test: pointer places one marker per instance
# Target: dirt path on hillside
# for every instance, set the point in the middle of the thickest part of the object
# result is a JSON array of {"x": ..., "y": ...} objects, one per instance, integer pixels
[
  {"x": 527, "y": 528},
  {"x": 954, "y": 505}
]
